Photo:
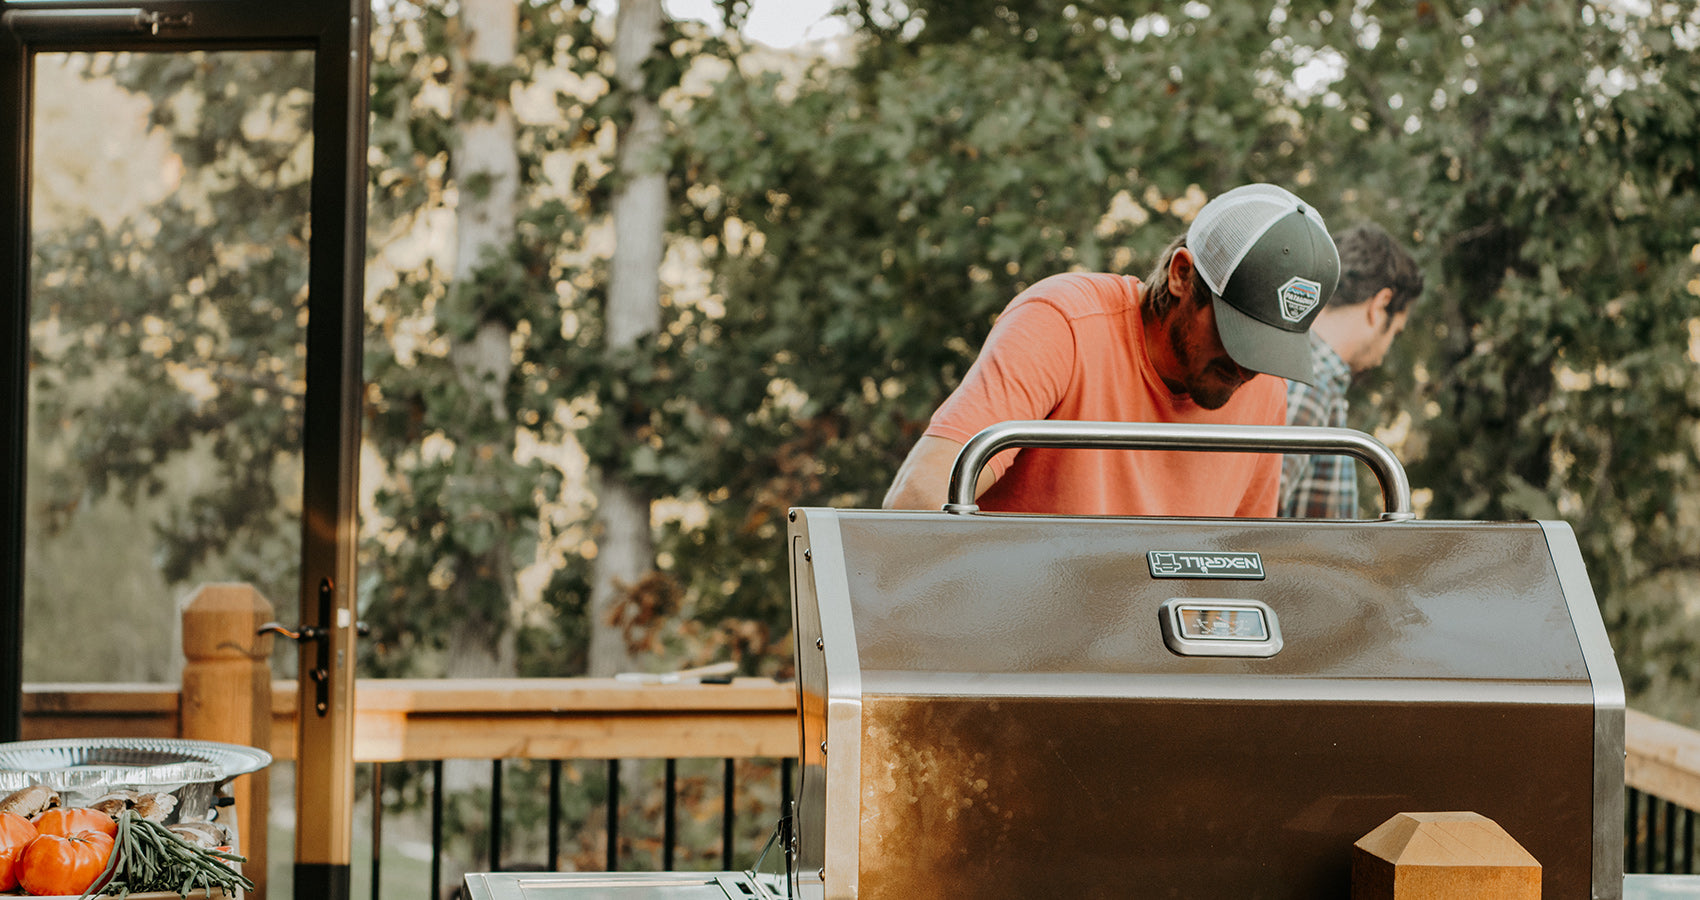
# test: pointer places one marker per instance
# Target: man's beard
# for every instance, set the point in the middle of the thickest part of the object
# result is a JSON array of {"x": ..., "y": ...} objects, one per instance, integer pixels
[{"x": 1206, "y": 391}]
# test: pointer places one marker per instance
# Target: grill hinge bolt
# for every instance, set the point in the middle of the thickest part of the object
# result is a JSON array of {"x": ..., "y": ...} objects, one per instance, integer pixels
[
  {"x": 821, "y": 873},
  {"x": 808, "y": 555},
  {"x": 820, "y": 643},
  {"x": 823, "y": 748}
]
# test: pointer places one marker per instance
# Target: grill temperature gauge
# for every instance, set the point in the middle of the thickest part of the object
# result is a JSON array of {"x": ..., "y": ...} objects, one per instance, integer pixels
[{"x": 1209, "y": 627}]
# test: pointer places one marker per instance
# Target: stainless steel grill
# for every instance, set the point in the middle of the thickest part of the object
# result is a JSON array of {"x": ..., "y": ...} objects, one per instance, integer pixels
[{"x": 1013, "y": 705}]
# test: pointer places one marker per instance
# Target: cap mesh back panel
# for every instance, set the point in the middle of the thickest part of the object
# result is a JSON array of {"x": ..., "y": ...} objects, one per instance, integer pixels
[{"x": 1227, "y": 228}]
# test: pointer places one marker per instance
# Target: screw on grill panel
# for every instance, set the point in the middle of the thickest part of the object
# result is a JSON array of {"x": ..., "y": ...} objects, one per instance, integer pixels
[
  {"x": 820, "y": 643},
  {"x": 792, "y": 515},
  {"x": 823, "y": 748},
  {"x": 808, "y": 555},
  {"x": 821, "y": 873}
]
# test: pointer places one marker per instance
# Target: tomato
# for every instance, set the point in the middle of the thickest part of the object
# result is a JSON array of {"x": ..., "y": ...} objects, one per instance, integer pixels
[
  {"x": 66, "y": 821},
  {"x": 16, "y": 832},
  {"x": 55, "y": 864}
]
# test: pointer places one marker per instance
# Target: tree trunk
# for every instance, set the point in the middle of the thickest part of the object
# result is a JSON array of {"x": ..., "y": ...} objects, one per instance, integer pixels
[
  {"x": 626, "y": 549},
  {"x": 486, "y": 170},
  {"x": 486, "y": 165}
]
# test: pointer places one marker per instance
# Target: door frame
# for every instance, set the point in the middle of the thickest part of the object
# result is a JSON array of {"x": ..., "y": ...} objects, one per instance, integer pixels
[{"x": 337, "y": 32}]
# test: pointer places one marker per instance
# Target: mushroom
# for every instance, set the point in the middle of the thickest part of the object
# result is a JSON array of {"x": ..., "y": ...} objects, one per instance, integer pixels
[{"x": 31, "y": 801}]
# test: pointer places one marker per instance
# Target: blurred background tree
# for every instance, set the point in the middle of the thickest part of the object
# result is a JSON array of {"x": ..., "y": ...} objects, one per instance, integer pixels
[
  {"x": 841, "y": 230},
  {"x": 1540, "y": 159}
]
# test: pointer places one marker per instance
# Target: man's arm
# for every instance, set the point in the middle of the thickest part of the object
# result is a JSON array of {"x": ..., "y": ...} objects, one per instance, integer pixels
[
  {"x": 1021, "y": 373},
  {"x": 923, "y": 481}
]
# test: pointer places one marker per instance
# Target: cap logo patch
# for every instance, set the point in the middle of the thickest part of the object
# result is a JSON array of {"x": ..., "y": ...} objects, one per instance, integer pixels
[{"x": 1298, "y": 297}]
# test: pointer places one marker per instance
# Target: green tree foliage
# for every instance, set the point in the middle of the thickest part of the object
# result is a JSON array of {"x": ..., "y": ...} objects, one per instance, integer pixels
[
  {"x": 1538, "y": 156},
  {"x": 458, "y": 506},
  {"x": 863, "y": 223},
  {"x": 1544, "y": 155},
  {"x": 899, "y": 206}
]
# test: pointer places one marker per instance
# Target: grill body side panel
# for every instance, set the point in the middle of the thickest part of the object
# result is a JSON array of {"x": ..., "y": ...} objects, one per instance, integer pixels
[{"x": 1211, "y": 799}]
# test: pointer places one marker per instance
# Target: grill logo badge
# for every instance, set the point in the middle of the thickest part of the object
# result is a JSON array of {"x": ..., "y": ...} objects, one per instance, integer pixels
[{"x": 1198, "y": 564}]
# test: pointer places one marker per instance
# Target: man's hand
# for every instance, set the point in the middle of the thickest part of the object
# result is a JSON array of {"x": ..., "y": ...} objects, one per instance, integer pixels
[{"x": 923, "y": 481}]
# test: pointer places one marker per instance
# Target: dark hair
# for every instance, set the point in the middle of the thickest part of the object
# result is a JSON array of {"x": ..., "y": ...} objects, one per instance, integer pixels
[
  {"x": 1158, "y": 299},
  {"x": 1370, "y": 259}
]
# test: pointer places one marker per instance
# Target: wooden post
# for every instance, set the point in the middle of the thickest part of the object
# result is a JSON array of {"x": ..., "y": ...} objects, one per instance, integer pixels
[
  {"x": 227, "y": 697},
  {"x": 1443, "y": 856}
]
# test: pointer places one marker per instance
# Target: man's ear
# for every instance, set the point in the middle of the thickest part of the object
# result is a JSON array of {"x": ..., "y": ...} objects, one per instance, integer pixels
[
  {"x": 1180, "y": 276},
  {"x": 1376, "y": 309}
]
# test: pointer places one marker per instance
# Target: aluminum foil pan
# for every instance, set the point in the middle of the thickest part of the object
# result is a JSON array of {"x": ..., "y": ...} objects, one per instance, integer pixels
[
  {"x": 83, "y": 769},
  {"x": 196, "y": 894}
]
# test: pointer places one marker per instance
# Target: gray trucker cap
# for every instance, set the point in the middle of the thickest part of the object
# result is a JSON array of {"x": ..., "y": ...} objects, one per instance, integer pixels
[{"x": 1271, "y": 267}]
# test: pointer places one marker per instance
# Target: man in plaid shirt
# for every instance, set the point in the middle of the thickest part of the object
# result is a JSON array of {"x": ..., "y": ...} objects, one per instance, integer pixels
[{"x": 1378, "y": 282}]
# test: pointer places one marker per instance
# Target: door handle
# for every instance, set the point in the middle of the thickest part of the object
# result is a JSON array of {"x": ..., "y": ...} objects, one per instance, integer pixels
[
  {"x": 321, "y": 636},
  {"x": 301, "y": 632}
]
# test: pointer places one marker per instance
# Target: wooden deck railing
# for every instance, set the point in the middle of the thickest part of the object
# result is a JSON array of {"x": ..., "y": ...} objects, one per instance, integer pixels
[
  {"x": 582, "y": 718},
  {"x": 525, "y": 718},
  {"x": 400, "y": 720},
  {"x": 1663, "y": 760},
  {"x": 495, "y": 719}
]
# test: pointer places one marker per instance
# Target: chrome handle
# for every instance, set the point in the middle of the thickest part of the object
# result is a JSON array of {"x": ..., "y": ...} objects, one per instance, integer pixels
[{"x": 1071, "y": 435}]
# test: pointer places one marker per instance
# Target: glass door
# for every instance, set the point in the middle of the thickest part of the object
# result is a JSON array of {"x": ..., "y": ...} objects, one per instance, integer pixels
[
  {"x": 168, "y": 304},
  {"x": 182, "y": 213}
]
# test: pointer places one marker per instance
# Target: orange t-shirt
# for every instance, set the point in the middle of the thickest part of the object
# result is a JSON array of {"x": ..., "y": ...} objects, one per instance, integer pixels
[{"x": 1071, "y": 347}]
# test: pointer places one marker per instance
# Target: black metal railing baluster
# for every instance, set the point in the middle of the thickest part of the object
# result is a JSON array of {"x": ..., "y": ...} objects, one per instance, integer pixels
[
  {"x": 1661, "y": 859},
  {"x": 495, "y": 815},
  {"x": 669, "y": 810},
  {"x": 1652, "y": 834},
  {"x": 1658, "y": 835},
  {"x": 1631, "y": 799},
  {"x": 1643, "y": 815},
  {"x": 1644, "y": 832},
  {"x": 436, "y": 828},
  {"x": 728, "y": 785},
  {"x": 613, "y": 815},
  {"x": 1688, "y": 842},
  {"x": 377, "y": 824},
  {"x": 785, "y": 773},
  {"x": 554, "y": 815},
  {"x": 1649, "y": 805},
  {"x": 1670, "y": 838}
]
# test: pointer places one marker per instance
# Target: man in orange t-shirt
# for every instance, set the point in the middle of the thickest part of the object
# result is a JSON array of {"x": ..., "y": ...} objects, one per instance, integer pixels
[{"x": 1230, "y": 299}]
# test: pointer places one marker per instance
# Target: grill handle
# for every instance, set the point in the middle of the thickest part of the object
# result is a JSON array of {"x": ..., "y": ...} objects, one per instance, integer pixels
[{"x": 1395, "y": 486}]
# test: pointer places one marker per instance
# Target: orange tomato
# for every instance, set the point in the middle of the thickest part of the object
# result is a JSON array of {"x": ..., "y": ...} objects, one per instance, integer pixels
[
  {"x": 16, "y": 833},
  {"x": 55, "y": 864},
  {"x": 66, "y": 821}
]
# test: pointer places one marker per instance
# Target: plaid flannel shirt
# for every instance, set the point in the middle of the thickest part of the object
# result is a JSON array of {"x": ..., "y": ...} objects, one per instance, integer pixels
[{"x": 1320, "y": 487}]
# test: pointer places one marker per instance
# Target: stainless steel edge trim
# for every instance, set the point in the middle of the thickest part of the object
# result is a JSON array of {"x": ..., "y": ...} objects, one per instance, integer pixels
[
  {"x": 1609, "y": 705},
  {"x": 843, "y": 707},
  {"x": 476, "y": 889},
  {"x": 811, "y": 681},
  {"x": 965, "y": 472},
  {"x": 1245, "y": 685},
  {"x": 653, "y": 885}
]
